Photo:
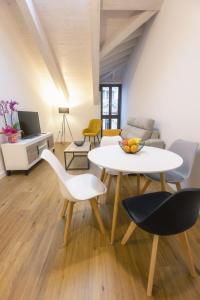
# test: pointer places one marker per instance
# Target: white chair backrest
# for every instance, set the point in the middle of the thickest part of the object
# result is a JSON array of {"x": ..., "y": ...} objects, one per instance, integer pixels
[
  {"x": 187, "y": 150},
  {"x": 56, "y": 165},
  {"x": 110, "y": 140}
]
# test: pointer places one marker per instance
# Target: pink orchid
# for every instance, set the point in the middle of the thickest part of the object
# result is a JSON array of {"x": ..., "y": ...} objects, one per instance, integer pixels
[
  {"x": 12, "y": 105},
  {"x": 8, "y": 108},
  {"x": 7, "y": 130}
]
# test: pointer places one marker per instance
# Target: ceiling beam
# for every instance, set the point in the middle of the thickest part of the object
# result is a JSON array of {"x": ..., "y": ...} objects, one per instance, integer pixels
[
  {"x": 33, "y": 22},
  {"x": 132, "y": 5},
  {"x": 116, "y": 57},
  {"x": 95, "y": 41},
  {"x": 134, "y": 23},
  {"x": 111, "y": 66},
  {"x": 121, "y": 49},
  {"x": 134, "y": 35},
  {"x": 116, "y": 69},
  {"x": 127, "y": 44}
]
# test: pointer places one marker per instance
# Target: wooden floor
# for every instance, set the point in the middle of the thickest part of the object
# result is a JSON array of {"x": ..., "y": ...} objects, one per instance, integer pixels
[{"x": 34, "y": 265}]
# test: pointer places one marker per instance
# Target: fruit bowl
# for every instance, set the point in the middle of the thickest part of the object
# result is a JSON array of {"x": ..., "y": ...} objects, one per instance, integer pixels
[{"x": 131, "y": 146}]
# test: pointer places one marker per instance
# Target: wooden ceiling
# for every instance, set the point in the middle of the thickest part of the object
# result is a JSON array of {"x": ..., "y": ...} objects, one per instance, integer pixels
[
  {"x": 82, "y": 42},
  {"x": 58, "y": 34},
  {"x": 122, "y": 24}
]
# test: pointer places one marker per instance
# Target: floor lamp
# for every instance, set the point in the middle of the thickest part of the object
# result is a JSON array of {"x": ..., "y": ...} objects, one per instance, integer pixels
[{"x": 64, "y": 111}]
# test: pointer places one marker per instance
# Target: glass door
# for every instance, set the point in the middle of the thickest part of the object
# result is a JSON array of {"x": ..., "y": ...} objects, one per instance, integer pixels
[{"x": 110, "y": 106}]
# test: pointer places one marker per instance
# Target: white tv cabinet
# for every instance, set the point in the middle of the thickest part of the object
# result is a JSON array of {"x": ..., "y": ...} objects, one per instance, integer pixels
[{"x": 24, "y": 154}]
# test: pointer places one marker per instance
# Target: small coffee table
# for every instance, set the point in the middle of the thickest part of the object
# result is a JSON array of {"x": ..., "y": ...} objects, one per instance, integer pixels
[{"x": 77, "y": 151}]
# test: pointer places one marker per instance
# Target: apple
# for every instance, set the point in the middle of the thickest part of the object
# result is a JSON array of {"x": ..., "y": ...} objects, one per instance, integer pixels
[{"x": 125, "y": 142}]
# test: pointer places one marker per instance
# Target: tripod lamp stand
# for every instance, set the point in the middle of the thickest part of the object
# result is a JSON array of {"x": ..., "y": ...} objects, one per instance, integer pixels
[{"x": 64, "y": 111}]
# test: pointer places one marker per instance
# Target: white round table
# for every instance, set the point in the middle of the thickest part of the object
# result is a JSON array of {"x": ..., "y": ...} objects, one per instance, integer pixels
[{"x": 148, "y": 160}]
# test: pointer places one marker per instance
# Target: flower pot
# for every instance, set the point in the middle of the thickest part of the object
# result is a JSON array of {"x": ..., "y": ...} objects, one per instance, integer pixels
[{"x": 12, "y": 138}]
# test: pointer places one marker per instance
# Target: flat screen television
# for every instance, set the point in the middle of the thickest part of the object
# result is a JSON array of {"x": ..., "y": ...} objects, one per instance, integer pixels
[{"x": 29, "y": 123}]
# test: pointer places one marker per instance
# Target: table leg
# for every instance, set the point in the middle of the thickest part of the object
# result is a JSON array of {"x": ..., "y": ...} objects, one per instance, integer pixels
[
  {"x": 88, "y": 163},
  {"x": 65, "y": 161},
  {"x": 162, "y": 182},
  {"x": 116, "y": 206},
  {"x": 110, "y": 177},
  {"x": 128, "y": 184},
  {"x": 138, "y": 184},
  {"x": 102, "y": 178},
  {"x": 102, "y": 174}
]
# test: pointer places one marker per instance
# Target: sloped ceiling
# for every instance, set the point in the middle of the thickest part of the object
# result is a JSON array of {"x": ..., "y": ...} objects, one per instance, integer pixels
[
  {"x": 82, "y": 42},
  {"x": 122, "y": 24},
  {"x": 58, "y": 33},
  {"x": 67, "y": 26}
]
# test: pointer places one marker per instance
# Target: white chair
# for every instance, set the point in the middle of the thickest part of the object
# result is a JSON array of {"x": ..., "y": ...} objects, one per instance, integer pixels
[{"x": 76, "y": 188}]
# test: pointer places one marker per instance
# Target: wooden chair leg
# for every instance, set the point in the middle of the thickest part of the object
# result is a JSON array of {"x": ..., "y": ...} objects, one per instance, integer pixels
[
  {"x": 186, "y": 247},
  {"x": 63, "y": 211},
  {"x": 132, "y": 226},
  {"x": 116, "y": 206},
  {"x": 138, "y": 184},
  {"x": 128, "y": 184},
  {"x": 152, "y": 265},
  {"x": 145, "y": 187},
  {"x": 102, "y": 174},
  {"x": 109, "y": 180},
  {"x": 93, "y": 203},
  {"x": 105, "y": 177},
  {"x": 102, "y": 178},
  {"x": 178, "y": 186},
  {"x": 162, "y": 182},
  {"x": 94, "y": 141},
  {"x": 68, "y": 221}
]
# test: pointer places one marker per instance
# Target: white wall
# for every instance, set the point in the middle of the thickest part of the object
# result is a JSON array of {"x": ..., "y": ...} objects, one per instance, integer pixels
[
  {"x": 163, "y": 78},
  {"x": 25, "y": 78},
  {"x": 19, "y": 78}
]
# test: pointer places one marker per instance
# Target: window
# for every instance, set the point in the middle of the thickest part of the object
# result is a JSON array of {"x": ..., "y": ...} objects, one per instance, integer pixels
[{"x": 110, "y": 105}]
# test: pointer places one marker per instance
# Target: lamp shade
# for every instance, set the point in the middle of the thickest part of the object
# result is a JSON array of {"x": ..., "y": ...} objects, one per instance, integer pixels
[{"x": 63, "y": 110}]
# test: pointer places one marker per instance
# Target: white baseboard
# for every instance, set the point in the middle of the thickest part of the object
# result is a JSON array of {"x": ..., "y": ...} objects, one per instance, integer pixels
[{"x": 2, "y": 174}]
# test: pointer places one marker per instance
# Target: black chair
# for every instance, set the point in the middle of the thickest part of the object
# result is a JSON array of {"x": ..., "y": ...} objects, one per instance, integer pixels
[{"x": 163, "y": 213}]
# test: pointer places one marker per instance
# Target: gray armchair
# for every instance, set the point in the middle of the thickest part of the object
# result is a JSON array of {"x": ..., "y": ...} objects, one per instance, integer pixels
[
  {"x": 144, "y": 129},
  {"x": 187, "y": 150}
]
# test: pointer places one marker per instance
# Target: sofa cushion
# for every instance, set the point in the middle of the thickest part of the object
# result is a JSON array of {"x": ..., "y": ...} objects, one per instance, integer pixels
[
  {"x": 155, "y": 134},
  {"x": 143, "y": 123},
  {"x": 138, "y": 127},
  {"x": 155, "y": 143},
  {"x": 131, "y": 131}
]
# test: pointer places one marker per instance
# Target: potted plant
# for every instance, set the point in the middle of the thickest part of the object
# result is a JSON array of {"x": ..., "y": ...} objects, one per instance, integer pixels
[{"x": 10, "y": 129}]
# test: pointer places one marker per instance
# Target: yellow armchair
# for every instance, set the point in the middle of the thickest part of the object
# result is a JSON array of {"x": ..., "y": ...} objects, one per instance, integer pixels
[
  {"x": 111, "y": 132},
  {"x": 93, "y": 130}
]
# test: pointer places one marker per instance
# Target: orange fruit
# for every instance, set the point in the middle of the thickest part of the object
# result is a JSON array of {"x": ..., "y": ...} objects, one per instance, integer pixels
[
  {"x": 126, "y": 149},
  {"x": 131, "y": 142},
  {"x": 134, "y": 148}
]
